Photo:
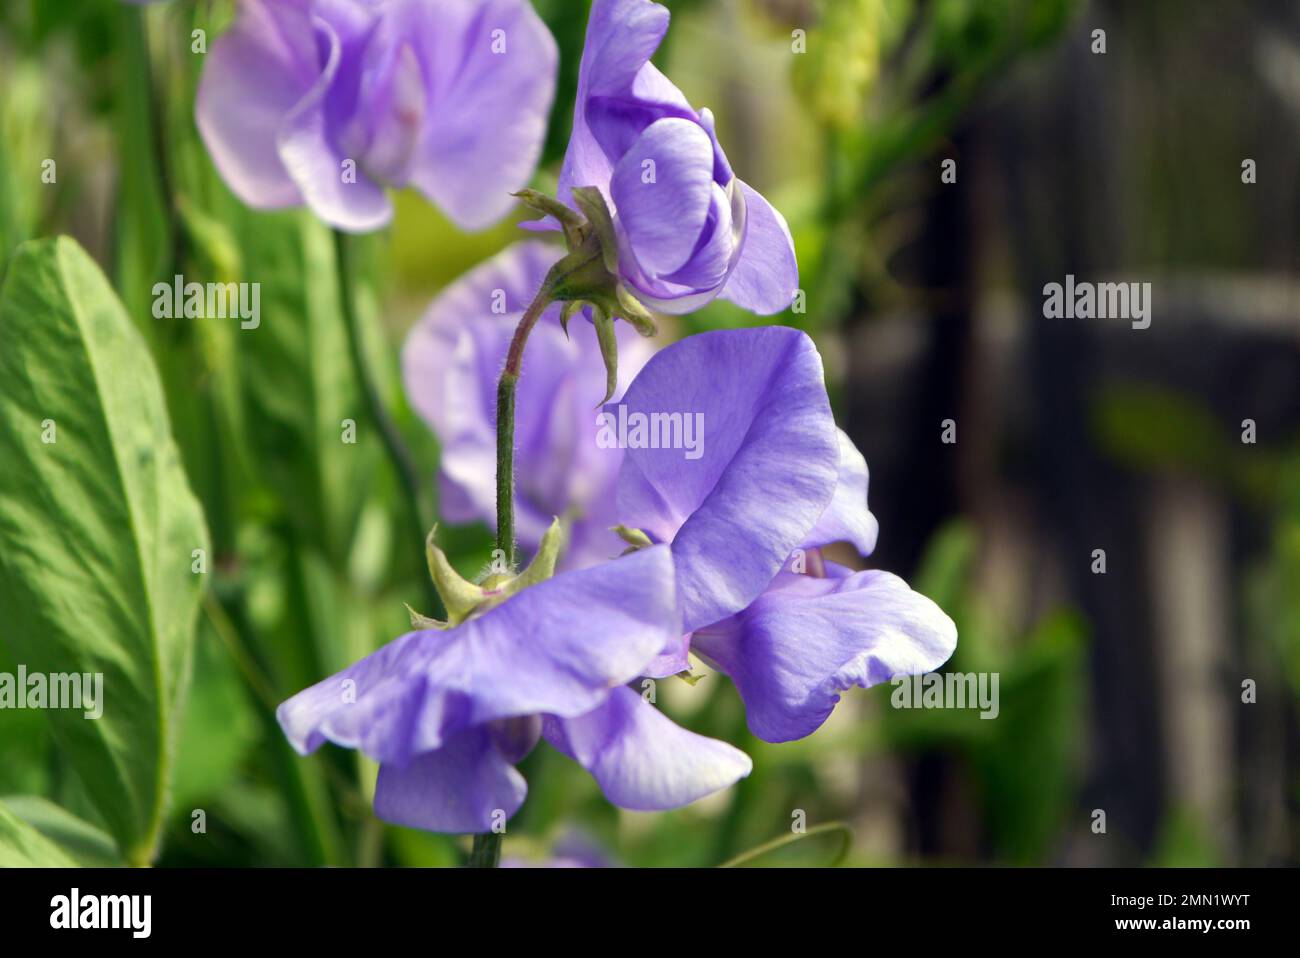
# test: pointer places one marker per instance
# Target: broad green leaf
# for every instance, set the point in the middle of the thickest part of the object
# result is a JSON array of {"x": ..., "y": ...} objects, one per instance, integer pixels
[
  {"x": 22, "y": 846},
  {"x": 97, "y": 529},
  {"x": 77, "y": 838}
]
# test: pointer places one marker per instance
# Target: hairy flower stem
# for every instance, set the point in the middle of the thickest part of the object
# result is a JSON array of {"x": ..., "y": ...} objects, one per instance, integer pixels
[
  {"x": 398, "y": 454},
  {"x": 486, "y": 852},
  {"x": 506, "y": 419}
]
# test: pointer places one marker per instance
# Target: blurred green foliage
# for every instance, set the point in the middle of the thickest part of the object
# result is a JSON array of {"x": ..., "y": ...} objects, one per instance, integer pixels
[{"x": 313, "y": 554}]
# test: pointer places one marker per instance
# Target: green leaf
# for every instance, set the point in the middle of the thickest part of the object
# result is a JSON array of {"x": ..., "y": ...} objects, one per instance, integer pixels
[
  {"x": 97, "y": 529},
  {"x": 143, "y": 220},
  {"x": 298, "y": 380},
  {"x": 22, "y": 846},
  {"x": 80, "y": 839}
]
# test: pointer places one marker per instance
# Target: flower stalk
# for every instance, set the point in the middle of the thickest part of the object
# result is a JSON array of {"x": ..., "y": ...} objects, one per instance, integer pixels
[
  {"x": 584, "y": 276},
  {"x": 506, "y": 419},
  {"x": 486, "y": 852}
]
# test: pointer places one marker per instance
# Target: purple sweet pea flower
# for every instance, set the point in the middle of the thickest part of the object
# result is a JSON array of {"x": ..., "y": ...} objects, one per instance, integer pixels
[
  {"x": 776, "y": 482},
  {"x": 687, "y": 228},
  {"x": 448, "y": 713},
  {"x": 327, "y": 102},
  {"x": 450, "y": 365}
]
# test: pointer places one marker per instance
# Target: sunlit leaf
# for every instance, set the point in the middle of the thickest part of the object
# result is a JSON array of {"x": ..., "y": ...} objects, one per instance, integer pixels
[{"x": 98, "y": 528}]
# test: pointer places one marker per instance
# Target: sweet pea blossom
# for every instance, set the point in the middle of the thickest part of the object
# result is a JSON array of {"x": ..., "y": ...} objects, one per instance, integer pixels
[
  {"x": 449, "y": 712},
  {"x": 327, "y": 102},
  {"x": 450, "y": 365},
  {"x": 688, "y": 229},
  {"x": 747, "y": 522}
]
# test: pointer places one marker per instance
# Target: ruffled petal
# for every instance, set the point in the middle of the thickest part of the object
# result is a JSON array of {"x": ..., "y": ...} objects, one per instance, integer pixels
[
  {"x": 847, "y": 518},
  {"x": 805, "y": 640},
  {"x": 765, "y": 473},
  {"x": 673, "y": 658},
  {"x": 529, "y": 655},
  {"x": 465, "y": 786},
  {"x": 712, "y": 258},
  {"x": 767, "y": 277},
  {"x": 350, "y": 202},
  {"x": 299, "y": 88},
  {"x": 253, "y": 76},
  {"x": 641, "y": 759},
  {"x": 492, "y": 69},
  {"x": 662, "y": 190},
  {"x": 622, "y": 35}
]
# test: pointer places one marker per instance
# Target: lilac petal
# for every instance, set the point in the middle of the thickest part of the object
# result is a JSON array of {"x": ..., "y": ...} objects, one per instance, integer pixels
[
  {"x": 847, "y": 518},
  {"x": 722, "y": 172},
  {"x": 673, "y": 658},
  {"x": 643, "y": 760},
  {"x": 714, "y": 256},
  {"x": 527, "y": 656},
  {"x": 252, "y": 77},
  {"x": 663, "y": 218},
  {"x": 767, "y": 471},
  {"x": 458, "y": 788},
  {"x": 767, "y": 277},
  {"x": 617, "y": 119},
  {"x": 391, "y": 85},
  {"x": 356, "y": 204},
  {"x": 622, "y": 35},
  {"x": 805, "y": 640},
  {"x": 489, "y": 107}
]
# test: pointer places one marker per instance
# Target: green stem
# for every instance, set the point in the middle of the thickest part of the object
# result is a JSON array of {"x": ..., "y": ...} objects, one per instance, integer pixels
[
  {"x": 486, "y": 852},
  {"x": 506, "y": 420},
  {"x": 839, "y": 829},
  {"x": 398, "y": 454},
  {"x": 506, "y": 466}
]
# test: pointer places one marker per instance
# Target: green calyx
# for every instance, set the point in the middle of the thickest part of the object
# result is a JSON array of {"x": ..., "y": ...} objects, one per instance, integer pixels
[
  {"x": 589, "y": 275},
  {"x": 464, "y": 599}
]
